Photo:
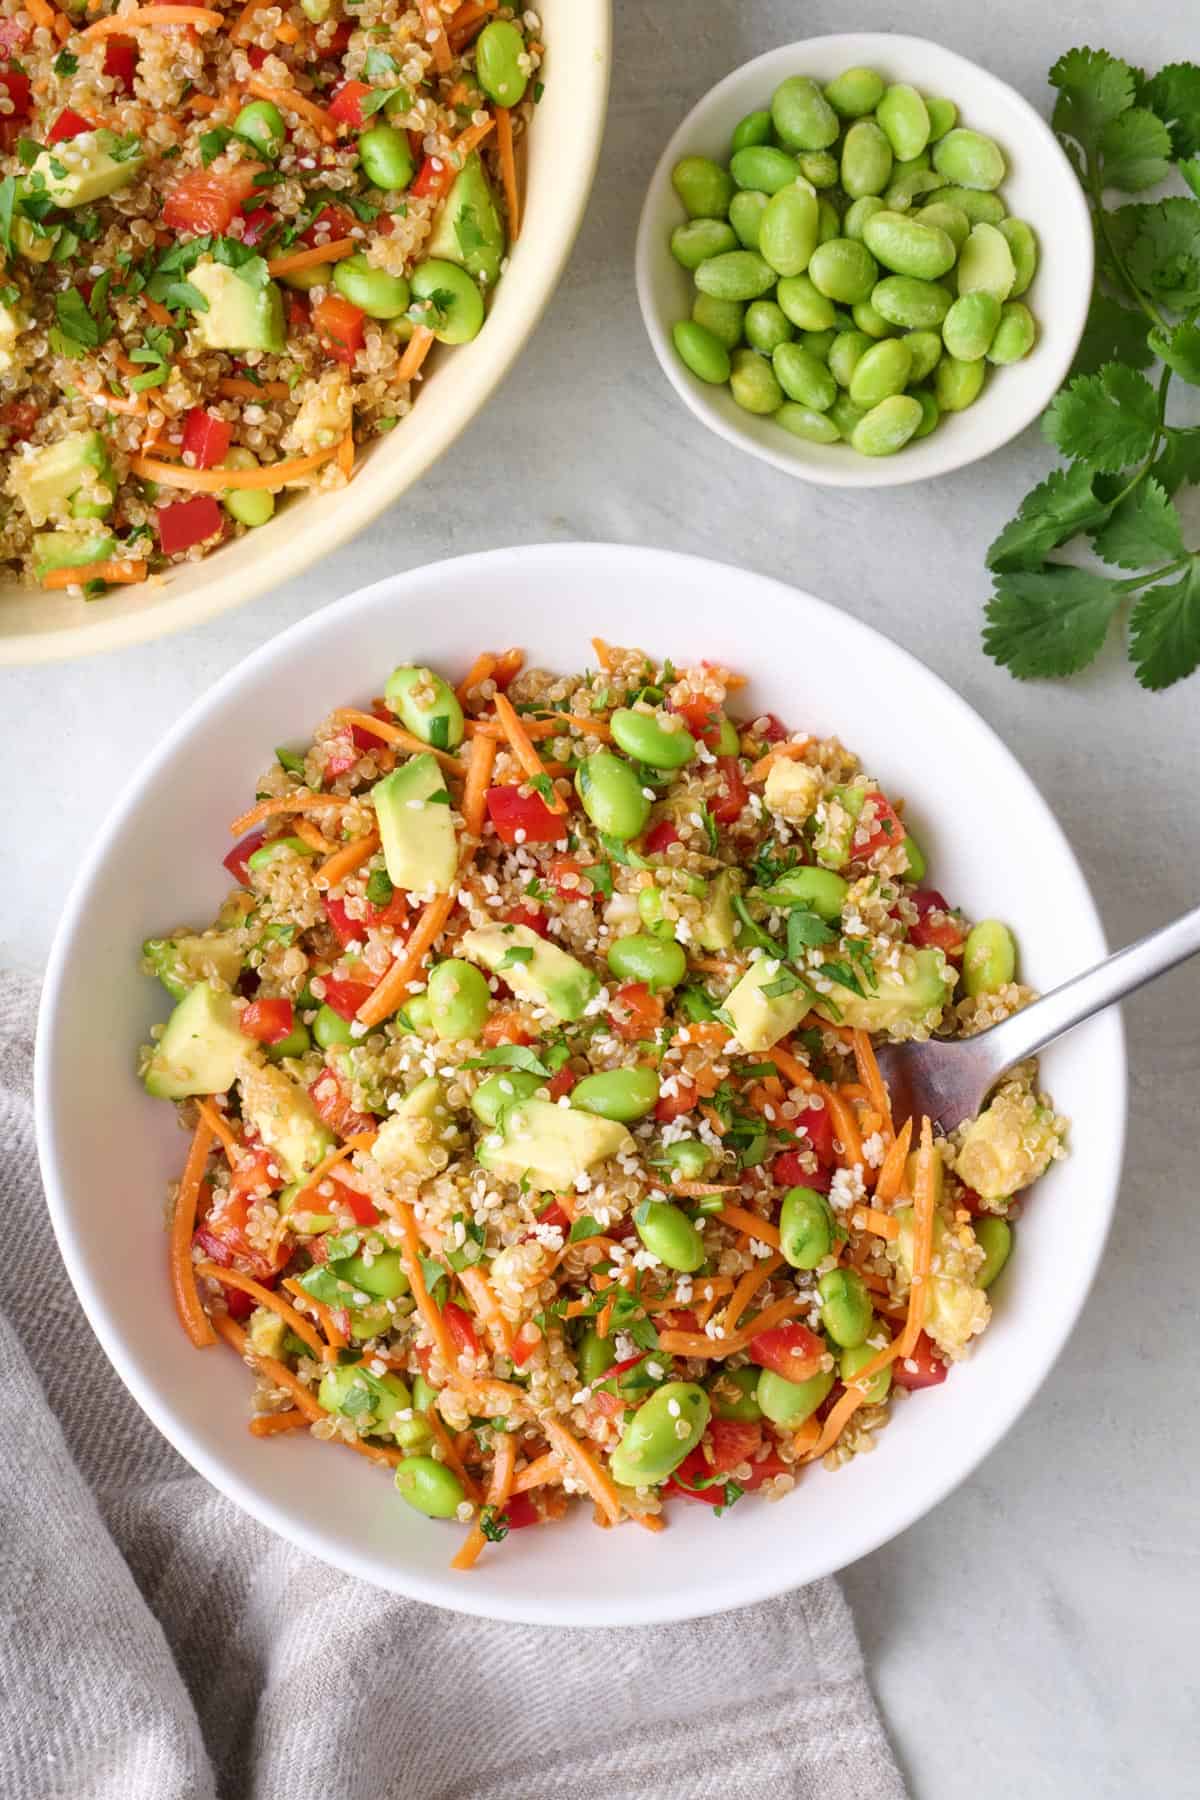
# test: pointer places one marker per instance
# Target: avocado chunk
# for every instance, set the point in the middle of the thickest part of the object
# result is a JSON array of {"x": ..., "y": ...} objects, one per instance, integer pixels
[
  {"x": 13, "y": 321},
  {"x": 86, "y": 168},
  {"x": 284, "y": 1117},
  {"x": 550, "y": 1146},
  {"x": 1011, "y": 1143},
  {"x": 837, "y": 816},
  {"x": 414, "y": 1140},
  {"x": 533, "y": 968},
  {"x": 201, "y": 1049},
  {"x": 67, "y": 549},
  {"x": 912, "y": 995},
  {"x": 266, "y": 1331},
  {"x": 57, "y": 480},
  {"x": 181, "y": 961},
  {"x": 243, "y": 313},
  {"x": 468, "y": 230},
  {"x": 792, "y": 790},
  {"x": 761, "y": 1019},
  {"x": 715, "y": 928},
  {"x": 412, "y": 805}
]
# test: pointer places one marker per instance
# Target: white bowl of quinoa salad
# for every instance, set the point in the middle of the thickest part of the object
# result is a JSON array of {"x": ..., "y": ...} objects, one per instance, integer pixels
[
  {"x": 819, "y": 711},
  {"x": 240, "y": 243}
]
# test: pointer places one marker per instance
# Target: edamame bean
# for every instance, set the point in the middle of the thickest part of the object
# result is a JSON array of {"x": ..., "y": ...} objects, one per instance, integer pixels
[
  {"x": 843, "y": 269},
  {"x": 802, "y": 116},
  {"x": 916, "y": 305},
  {"x": 330, "y": 1028},
  {"x": 1023, "y": 244},
  {"x": 249, "y": 506},
  {"x": 950, "y": 219},
  {"x": 804, "y": 378},
  {"x": 429, "y": 1487},
  {"x": 459, "y": 998},
  {"x": 887, "y": 427},
  {"x": 261, "y": 124},
  {"x": 416, "y": 1014},
  {"x": 668, "y": 1233},
  {"x": 652, "y": 1445},
  {"x": 805, "y": 306},
  {"x": 867, "y": 160},
  {"x": 752, "y": 383},
  {"x": 380, "y": 295},
  {"x": 980, "y": 208},
  {"x": 943, "y": 116},
  {"x": 985, "y": 264},
  {"x": 316, "y": 10},
  {"x": 957, "y": 385},
  {"x": 846, "y": 1311},
  {"x": 819, "y": 167},
  {"x": 1015, "y": 334},
  {"x": 994, "y": 1237},
  {"x": 819, "y": 343},
  {"x": 845, "y": 415},
  {"x": 704, "y": 187},
  {"x": 737, "y": 275},
  {"x": 383, "y": 1277},
  {"x": 723, "y": 318},
  {"x": 499, "y": 50},
  {"x": 428, "y": 706},
  {"x": 763, "y": 168},
  {"x": 278, "y": 847},
  {"x": 969, "y": 159},
  {"x": 926, "y": 348},
  {"x": 806, "y": 422},
  {"x": 594, "y": 1356},
  {"x": 728, "y": 743},
  {"x": 767, "y": 326},
  {"x": 916, "y": 867},
  {"x": 384, "y": 153},
  {"x": 989, "y": 957},
  {"x": 612, "y": 796},
  {"x": 882, "y": 370},
  {"x": 732, "y": 1395},
  {"x": 701, "y": 352},
  {"x": 805, "y": 1227},
  {"x": 870, "y": 321},
  {"x": 857, "y": 215},
  {"x": 789, "y": 1403},
  {"x": 746, "y": 211},
  {"x": 855, "y": 92},
  {"x": 904, "y": 120},
  {"x": 904, "y": 189},
  {"x": 650, "y": 959},
  {"x": 695, "y": 242},
  {"x": 817, "y": 890},
  {"x": 828, "y": 223},
  {"x": 755, "y": 128},
  {"x": 295, "y": 1043},
  {"x": 449, "y": 302},
  {"x": 652, "y": 912},
  {"x": 622, "y": 1094},
  {"x": 878, "y": 1385},
  {"x": 787, "y": 233},
  {"x": 970, "y": 325},
  {"x": 505, "y": 1089},
  {"x": 909, "y": 246},
  {"x": 687, "y": 1155},
  {"x": 930, "y": 413}
]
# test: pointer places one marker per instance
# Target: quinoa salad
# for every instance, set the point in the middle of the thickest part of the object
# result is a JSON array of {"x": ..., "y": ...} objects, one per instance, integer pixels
[
  {"x": 229, "y": 238},
  {"x": 538, "y": 1146}
]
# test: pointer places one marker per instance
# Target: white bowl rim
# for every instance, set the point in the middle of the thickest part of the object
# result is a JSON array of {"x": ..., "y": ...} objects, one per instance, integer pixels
[
  {"x": 859, "y": 472},
  {"x": 756, "y": 1583}
]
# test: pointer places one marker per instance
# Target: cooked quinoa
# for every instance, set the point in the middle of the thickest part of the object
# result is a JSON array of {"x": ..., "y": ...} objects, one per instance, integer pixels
[
  {"x": 539, "y": 1145},
  {"x": 201, "y": 271}
]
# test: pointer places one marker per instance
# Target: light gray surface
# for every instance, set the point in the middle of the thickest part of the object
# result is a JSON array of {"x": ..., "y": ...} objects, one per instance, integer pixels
[{"x": 1035, "y": 1636}]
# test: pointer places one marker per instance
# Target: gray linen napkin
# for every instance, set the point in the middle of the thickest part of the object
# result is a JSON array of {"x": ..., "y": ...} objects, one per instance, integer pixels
[{"x": 156, "y": 1644}]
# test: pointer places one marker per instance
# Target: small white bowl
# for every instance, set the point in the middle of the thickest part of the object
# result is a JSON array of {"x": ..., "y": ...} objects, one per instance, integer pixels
[
  {"x": 108, "y": 1152},
  {"x": 1040, "y": 186}
]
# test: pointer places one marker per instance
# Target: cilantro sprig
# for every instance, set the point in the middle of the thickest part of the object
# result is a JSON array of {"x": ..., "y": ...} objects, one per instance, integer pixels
[{"x": 1125, "y": 459}]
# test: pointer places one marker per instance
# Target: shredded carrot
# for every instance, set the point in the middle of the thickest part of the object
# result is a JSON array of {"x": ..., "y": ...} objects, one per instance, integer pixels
[
  {"x": 467, "y": 22},
  {"x": 698, "y": 1344},
  {"x": 882, "y": 1224},
  {"x": 159, "y": 314},
  {"x": 242, "y": 25},
  {"x": 845, "y": 1128},
  {"x": 504, "y": 1459},
  {"x": 311, "y": 258},
  {"x": 508, "y": 171},
  {"x": 287, "y": 33},
  {"x": 343, "y": 862},
  {"x": 788, "y": 752},
  {"x": 543, "y": 1471},
  {"x": 41, "y": 13},
  {"x": 892, "y": 1169},
  {"x": 121, "y": 570},
  {"x": 200, "y": 18},
  {"x": 847, "y": 1405},
  {"x": 435, "y": 34},
  {"x": 361, "y": 1140},
  {"x": 396, "y": 734},
  {"x": 479, "y": 774},
  {"x": 791, "y": 1067},
  {"x": 134, "y": 405},
  {"x": 479, "y": 671},
  {"x": 597, "y": 1481},
  {"x": 393, "y": 989},
  {"x": 415, "y": 351},
  {"x": 345, "y": 455},
  {"x": 480, "y": 1289},
  {"x": 738, "y": 1219},
  {"x": 924, "y": 1207},
  {"x": 410, "y": 1256},
  {"x": 872, "y": 1080},
  {"x": 271, "y": 1424},
  {"x": 508, "y": 666},
  {"x": 289, "y": 100},
  {"x": 238, "y": 387},
  {"x": 524, "y": 751},
  {"x": 336, "y": 1338},
  {"x": 450, "y": 1454},
  {"x": 747, "y": 1287},
  {"x": 195, "y": 103},
  {"x": 308, "y": 834},
  {"x": 221, "y": 1131},
  {"x": 604, "y": 655},
  {"x": 216, "y": 481},
  {"x": 265, "y": 1297},
  {"x": 806, "y": 1437},
  {"x": 192, "y": 1316},
  {"x": 282, "y": 803}
]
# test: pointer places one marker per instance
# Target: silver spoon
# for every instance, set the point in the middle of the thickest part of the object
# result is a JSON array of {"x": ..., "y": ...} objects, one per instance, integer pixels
[{"x": 951, "y": 1081}]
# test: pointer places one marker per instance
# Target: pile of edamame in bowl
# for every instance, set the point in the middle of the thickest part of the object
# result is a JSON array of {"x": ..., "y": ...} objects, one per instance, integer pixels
[{"x": 857, "y": 274}]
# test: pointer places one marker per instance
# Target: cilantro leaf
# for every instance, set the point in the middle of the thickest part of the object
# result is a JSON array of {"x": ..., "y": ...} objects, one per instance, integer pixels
[
  {"x": 493, "y": 1524},
  {"x": 1114, "y": 333},
  {"x": 1174, "y": 94},
  {"x": 1054, "y": 511},
  {"x": 805, "y": 931},
  {"x": 1144, "y": 529},
  {"x": 1109, "y": 419},
  {"x": 519, "y": 953},
  {"x": 844, "y": 975},
  {"x": 510, "y": 1056},
  {"x": 1049, "y": 621},
  {"x": 1094, "y": 88},
  {"x": 584, "y": 1228},
  {"x": 1164, "y": 255},
  {"x": 1165, "y": 631},
  {"x": 1180, "y": 350},
  {"x": 1136, "y": 151},
  {"x": 1178, "y": 463},
  {"x": 1190, "y": 171},
  {"x": 8, "y": 196}
]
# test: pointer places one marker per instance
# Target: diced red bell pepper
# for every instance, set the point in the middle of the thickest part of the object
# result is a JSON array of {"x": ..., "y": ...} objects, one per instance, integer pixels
[
  {"x": 929, "y": 1370},
  {"x": 947, "y": 933},
  {"x": 635, "y": 1012},
  {"x": 513, "y": 812},
  {"x": 525, "y": 1343},
  {"x": 773, "y": 730},
  {"x": 340, "y": 41},
  {"x": 702, "y": 718},
  {"x": 521, "y": 1512},
  {"x": 345, "y": 996},
  {"x": 792, "y": 1351},
  {"x": 238, "y": 858},
  {"x": 331, "y": 1097},
  {"x": 461, "y": 1329},
  {"x": 18, "y": 417},
  {"x": 970, "y": 1201},
  {"x": 340, "y": 327},
  {"x": 121, "y": 60},
  {"x": 726, "y": 805},
  {"x": 360, "y": 1205},
  {"x": 238, "y": 1304},
  {"x": 340, "y": 756},
  {"x": 554, "y": 1215},
  {"x": 565, "y": 875},
  {"x": 507, "y": 1028},
  {"x": 434, "y": 178},
  {"x": 685, "y": 1099},
  {"x": 222, "y": 1237},
  {"x": 206, "y": 438},
  {"x": 397, "y": 913},
  {"x": 733, "y": 1441},
  {"x": 659, "y": 838},
  {"x": 330, "y": 223},
  {"x": 187, "y": 522},
  {"x": 345, "y": 929},
  {"x": 256, "y": 1171},
  {"x": 268, "y": 1021},
  {"x": 209, "y": 199},
  {"x": 256, "y": 224},
  {"x": 346, "y": 104},
  {"x": 17, "y": 85},
  {"x": 532, "y": 916},
  {"x": 562, "y": 1083},
  {"x": 69, "y": 124},
  {"x": 299, "y": 317},
  {"x": 817, "y": 1126},
  {"x": 256, "y": 56},
  {"x": 787, "y": 1171},
  {"x": 886, "y": 828}
]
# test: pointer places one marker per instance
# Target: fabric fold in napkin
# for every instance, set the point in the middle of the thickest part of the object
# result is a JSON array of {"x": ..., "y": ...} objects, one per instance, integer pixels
[{"x": 157, "y": 1644}]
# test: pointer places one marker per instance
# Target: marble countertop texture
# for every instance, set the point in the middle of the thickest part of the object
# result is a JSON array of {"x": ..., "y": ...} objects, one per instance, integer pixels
[{"x": 1035, "y": 1637}]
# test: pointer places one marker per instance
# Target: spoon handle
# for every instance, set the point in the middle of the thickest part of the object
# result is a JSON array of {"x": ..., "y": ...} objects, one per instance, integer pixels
[{"x": 1078, "y": 999}]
